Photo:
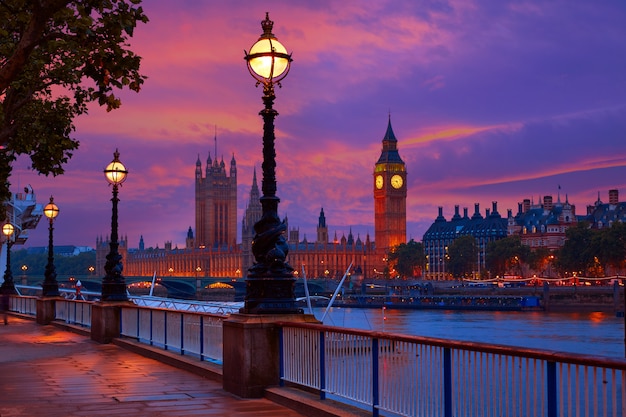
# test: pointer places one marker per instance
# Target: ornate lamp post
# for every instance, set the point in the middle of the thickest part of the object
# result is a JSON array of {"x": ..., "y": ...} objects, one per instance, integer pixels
[
  {"x": 50, "y": 285},
  {"x": 113, "y": 284},
  {"x": 270, "y": 282},
  {"x": 8, "y": 286}
]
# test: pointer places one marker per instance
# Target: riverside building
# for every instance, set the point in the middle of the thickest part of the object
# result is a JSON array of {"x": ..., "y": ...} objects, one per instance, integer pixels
[{"x": 540, "y": 225}]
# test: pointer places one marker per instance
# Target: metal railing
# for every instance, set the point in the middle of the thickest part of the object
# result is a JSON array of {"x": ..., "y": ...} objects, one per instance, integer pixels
[
  {"x": 191, "y": 333},
  {"x": 216, "y": 307},
  {"x": 418, "y": 376},
  {"x": 188, "y": 333},
  {"x": 23, "y": 304},
  {"x": 74, "y": 312}
]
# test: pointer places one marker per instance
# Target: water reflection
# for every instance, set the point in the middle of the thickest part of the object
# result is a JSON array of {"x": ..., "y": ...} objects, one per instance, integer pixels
[{"x": 594, "y": 333}]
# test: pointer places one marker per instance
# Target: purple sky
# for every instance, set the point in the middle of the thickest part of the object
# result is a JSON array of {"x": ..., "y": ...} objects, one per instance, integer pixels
[{"x": 489, "y": 100}]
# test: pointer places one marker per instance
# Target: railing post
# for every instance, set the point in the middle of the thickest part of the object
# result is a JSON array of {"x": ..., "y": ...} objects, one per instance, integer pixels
[
  {"x": 281, "y": 353},
  {"x": 551, "y": 389},
  {"x": 182, "y": 333},
  {"x": 375, "y": 393},
  {"x": 322, "y": 365},
  {"x": 151, "y": 326},
  {"x": 447, "y": 382},
  {"x": 138, "y": 323},
  {"x": 165, "y": 329},
  {"x": 202, "y": 337},
  {"x": 121, "y": 325}
]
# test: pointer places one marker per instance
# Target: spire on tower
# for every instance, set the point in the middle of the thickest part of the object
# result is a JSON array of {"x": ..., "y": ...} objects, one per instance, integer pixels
[{"x": 215, "y": 139}]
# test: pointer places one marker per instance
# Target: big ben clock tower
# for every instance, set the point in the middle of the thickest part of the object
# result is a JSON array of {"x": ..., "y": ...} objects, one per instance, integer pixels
[{"x": 389, "y": 195}]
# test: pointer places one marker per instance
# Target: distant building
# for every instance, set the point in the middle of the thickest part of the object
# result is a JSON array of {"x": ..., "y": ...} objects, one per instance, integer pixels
[
  {"x": 602, "y": 215},
  {"x": 24, "y": 213},
  {"x": 252, "y": 214},
  {"x": 213, "y": 252},
  {"x": 541, "y": 225},
  {"x": 442, "y": 233},
  {"x": 60, "y": 250},
  {"x": 103, "y": 248},
  {"x": 216, "y": 204},
  {"x": 390, "y": 191}
]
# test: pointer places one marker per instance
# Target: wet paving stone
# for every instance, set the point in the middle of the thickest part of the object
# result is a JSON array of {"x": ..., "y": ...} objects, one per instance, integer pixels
[{"x": 46, "y": 371}]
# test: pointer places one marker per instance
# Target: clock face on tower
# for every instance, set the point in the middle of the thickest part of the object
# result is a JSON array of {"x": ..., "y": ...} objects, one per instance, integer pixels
[
  {"x": 379, "y": 181},
  {"x": 396, "y": 181}
]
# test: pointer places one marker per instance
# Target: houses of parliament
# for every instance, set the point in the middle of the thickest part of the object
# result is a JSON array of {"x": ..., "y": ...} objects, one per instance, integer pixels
[{"x": 212, "y": 251}]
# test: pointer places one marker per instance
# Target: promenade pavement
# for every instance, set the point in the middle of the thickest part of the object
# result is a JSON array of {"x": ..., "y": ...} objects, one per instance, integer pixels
[{"x": 47, "y": 371}]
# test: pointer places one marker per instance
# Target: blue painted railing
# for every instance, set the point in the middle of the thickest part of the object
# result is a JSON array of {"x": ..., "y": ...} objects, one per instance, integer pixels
[
  {"x": 188, "y": 333},
  {"x": 415, "y": 376}
]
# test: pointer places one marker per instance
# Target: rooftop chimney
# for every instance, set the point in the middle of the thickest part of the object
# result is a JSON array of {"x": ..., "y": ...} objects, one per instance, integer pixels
[
  {"x": 613, "y": 197},
  {"x": 547, "y": 202}
]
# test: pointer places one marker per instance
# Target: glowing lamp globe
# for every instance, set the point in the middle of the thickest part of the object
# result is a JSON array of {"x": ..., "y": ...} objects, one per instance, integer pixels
[
  {"x": 115, "y": 172},
  {"x": 268, "y": 60},
  {"x": 51, "y": 210},
  {"x": 8, "y": 229}
]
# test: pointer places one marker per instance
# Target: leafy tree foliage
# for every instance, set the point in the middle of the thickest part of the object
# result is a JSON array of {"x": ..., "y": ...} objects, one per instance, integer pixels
[
  {"x": 610, "y": 246},
  {"x": 538, "y": 258},
  {"x": 407, "y": 258},
  {"x": 577, "y": 254},
  {"x": 65, "y": 266},
  {"x": 507, "y": 255},
  {"x": 56, "y": 56},
  {"x": 588, "y": 252},
  {"x": 592, "y": 252},
  {"x": 462, "y": 256}
]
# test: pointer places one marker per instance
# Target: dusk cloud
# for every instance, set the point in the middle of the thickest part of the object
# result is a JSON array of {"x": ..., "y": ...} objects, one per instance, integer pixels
[{"x": 490, "y": 101}]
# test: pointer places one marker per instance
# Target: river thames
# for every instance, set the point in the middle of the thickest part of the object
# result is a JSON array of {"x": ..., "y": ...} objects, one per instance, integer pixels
[{"x": 594, "y": 333}]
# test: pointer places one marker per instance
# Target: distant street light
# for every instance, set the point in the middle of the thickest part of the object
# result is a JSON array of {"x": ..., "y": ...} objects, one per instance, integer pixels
[
  {"x": 50, "y": 285},
  {"x": 8, "y": 286},
  {"x": 113, "y": 284},
  {"x": 270, "y": 283}
]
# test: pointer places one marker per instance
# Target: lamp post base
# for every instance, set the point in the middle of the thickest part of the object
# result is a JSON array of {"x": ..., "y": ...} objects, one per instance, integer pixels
[
  {"x": 270, "y": 295},
  {"x": 114, "y": 291},
  {"x": 50, "y": 289},
  {"x": 8, "y": 287}
]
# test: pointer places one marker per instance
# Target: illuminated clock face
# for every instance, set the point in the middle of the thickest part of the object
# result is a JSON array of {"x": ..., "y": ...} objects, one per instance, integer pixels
[
  {"x": 396, "y": 181},
  {"x": 379, "y": 181}
]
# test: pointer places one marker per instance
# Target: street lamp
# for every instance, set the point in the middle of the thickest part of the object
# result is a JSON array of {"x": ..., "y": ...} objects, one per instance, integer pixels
[
  {"x": 113, "y": 284},
  {"x": 270, "y": 283},
  {"x": 50, "y": 285},
  {"x": 8, "y": 286}
]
